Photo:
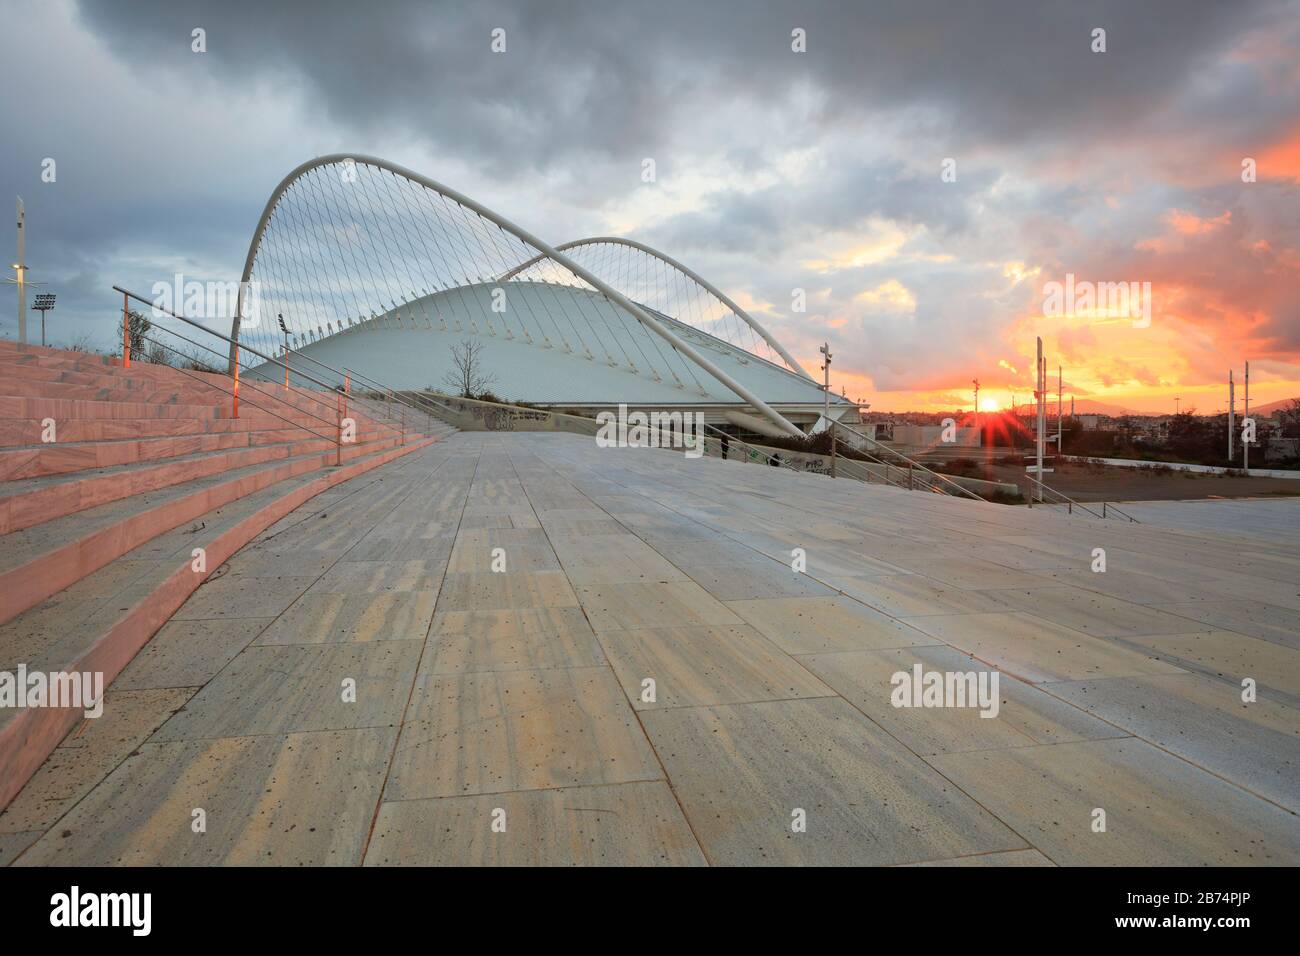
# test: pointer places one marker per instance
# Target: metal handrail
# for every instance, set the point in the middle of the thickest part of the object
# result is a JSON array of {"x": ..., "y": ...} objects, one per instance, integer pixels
[
  {"x": 346, "y": 372},
  {"x": 301, "y": 393},
  {"x": 1071, "y": 504},
  {"x": 912, "y": 463},
  {"x": 210, "y": 384},
  {"x": 239, "y": 346}
]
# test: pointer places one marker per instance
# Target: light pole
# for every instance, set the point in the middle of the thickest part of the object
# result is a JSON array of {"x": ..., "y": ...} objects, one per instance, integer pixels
[
  {"x": 285, "y": 329},
  {"x": 20, "y": 279},
  {"x": 826, "y": 367},
  {"x": 44, "y": 303}
]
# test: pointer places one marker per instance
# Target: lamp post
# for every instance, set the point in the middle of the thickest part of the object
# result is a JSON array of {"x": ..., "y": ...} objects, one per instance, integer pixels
[
  {"x": 285, "y": 329},
  {"x": 826, "y": 367},
  {"x": 44, "y": 303},
  {"x": 20, "y": 278}
]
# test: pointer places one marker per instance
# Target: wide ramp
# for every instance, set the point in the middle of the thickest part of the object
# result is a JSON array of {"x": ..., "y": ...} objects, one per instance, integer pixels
[{"x": 649, "y": 681}]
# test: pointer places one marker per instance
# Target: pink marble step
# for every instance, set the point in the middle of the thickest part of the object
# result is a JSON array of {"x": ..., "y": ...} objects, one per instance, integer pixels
[
  {"x": 77, "y": 376},
  {"x": 64, "y": 457},
  {"x": 34, "y": 580},
  {"x": 29, "y": 738},
  {"x": 28, "y": 431},
  {"x": 28, "y": 508},
  {"x": 24, "y": 406},
  {"x": 192, "y": 394}
]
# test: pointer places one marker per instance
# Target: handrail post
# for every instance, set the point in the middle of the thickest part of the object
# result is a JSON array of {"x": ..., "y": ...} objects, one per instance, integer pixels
[
  {"x": 338, "y": 441},
  {"x": 236, "y": 394},
  {"x": 126, "y": 331}
]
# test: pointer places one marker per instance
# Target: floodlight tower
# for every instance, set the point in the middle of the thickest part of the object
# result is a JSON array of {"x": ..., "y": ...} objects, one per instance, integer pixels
[{"x": 44, "y": 303}]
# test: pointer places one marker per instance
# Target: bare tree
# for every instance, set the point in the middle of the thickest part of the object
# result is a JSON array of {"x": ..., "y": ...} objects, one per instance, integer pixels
[
  {"x": 466, "y": 376},
  {"x": 82, "y": 343},
  {"x": 137, "y": 327}
]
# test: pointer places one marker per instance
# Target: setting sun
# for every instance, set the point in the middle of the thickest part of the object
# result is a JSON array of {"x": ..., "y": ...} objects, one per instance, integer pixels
[{"x": 989, "y": 405}]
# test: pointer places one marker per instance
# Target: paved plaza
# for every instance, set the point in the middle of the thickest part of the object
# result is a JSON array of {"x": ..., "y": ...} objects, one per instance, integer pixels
[{"x": 525, "y": 649}]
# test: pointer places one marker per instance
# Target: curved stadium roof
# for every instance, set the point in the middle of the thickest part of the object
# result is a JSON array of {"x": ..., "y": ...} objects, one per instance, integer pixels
[
  {"x": 375, "y": 268},
  {"x": 411, "y": 347}
]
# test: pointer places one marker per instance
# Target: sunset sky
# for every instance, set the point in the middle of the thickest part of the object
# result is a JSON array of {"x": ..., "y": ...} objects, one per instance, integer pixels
[{"x": 776, "y": 170}]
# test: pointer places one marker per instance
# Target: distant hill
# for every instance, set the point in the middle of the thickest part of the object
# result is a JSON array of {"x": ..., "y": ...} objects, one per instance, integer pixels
[
  {"x": 1088, "y": 406},
  {"x": 1271, "y": 407}
]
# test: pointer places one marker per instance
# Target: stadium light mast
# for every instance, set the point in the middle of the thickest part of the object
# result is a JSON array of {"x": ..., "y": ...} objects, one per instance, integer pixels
[{"x": 44, "y": 303}]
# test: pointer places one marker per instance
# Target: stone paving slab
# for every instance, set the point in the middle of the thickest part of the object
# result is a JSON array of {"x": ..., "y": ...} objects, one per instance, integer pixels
[
  {"x": 298, "y": 687},
  {"x": 1024, "y": 716},
  {"x": 816, "y": 625},
  {"x": 1160, "y": 810},
  {"x": 694, "y": 666},
  {"x": 1037, "y": 649},
  {"x": 1229, "y": 655},
  {"x": 373, "y": 577},
  {"x": 89, "y": 753},
  {"x": 1096, "y": 614},
  {"x": 278, "y": 800},
  {"x": 1009, "y": 858},
  {"x": 1253, "y": 618},
  {"x": 343, "y": 618},
  {"x": 187, "y": 654},
  {"x": 510, "y": 590},
  {"x": 629, "y": 824},
  {"x": 525, "y": 639},
  {"x": 625, "y": 606},
  {"x": 1256, "y": 745},
  {"x": 742, "y": 771},
  {"x": 915, "y": 595},
  {"x": 518, "y": 730},
  {"x": 749, "y": 581}
]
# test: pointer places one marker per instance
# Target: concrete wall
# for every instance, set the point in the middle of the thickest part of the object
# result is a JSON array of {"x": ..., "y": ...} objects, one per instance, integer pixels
[
  {"x": 930, "y": 436},
  {"x": 821, "y": 465}
]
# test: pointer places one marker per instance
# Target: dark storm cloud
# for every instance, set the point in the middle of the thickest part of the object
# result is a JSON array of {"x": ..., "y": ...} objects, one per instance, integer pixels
[{"x": 611, "y": 77}]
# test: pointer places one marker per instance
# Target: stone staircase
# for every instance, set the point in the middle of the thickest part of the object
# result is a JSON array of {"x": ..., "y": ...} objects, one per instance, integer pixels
[{"x": 122, "y": 489}]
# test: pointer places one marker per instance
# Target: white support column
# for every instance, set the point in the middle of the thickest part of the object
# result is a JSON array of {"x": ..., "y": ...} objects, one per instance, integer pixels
[
  {"x": 21, "y": 267},
  {"x": 1232, "y": 413}
]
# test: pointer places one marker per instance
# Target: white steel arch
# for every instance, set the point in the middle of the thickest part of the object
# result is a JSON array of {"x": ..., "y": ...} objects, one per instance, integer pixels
[
  {"x": 319, "y": 272},
  {"x": 791, "y": 362}
]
